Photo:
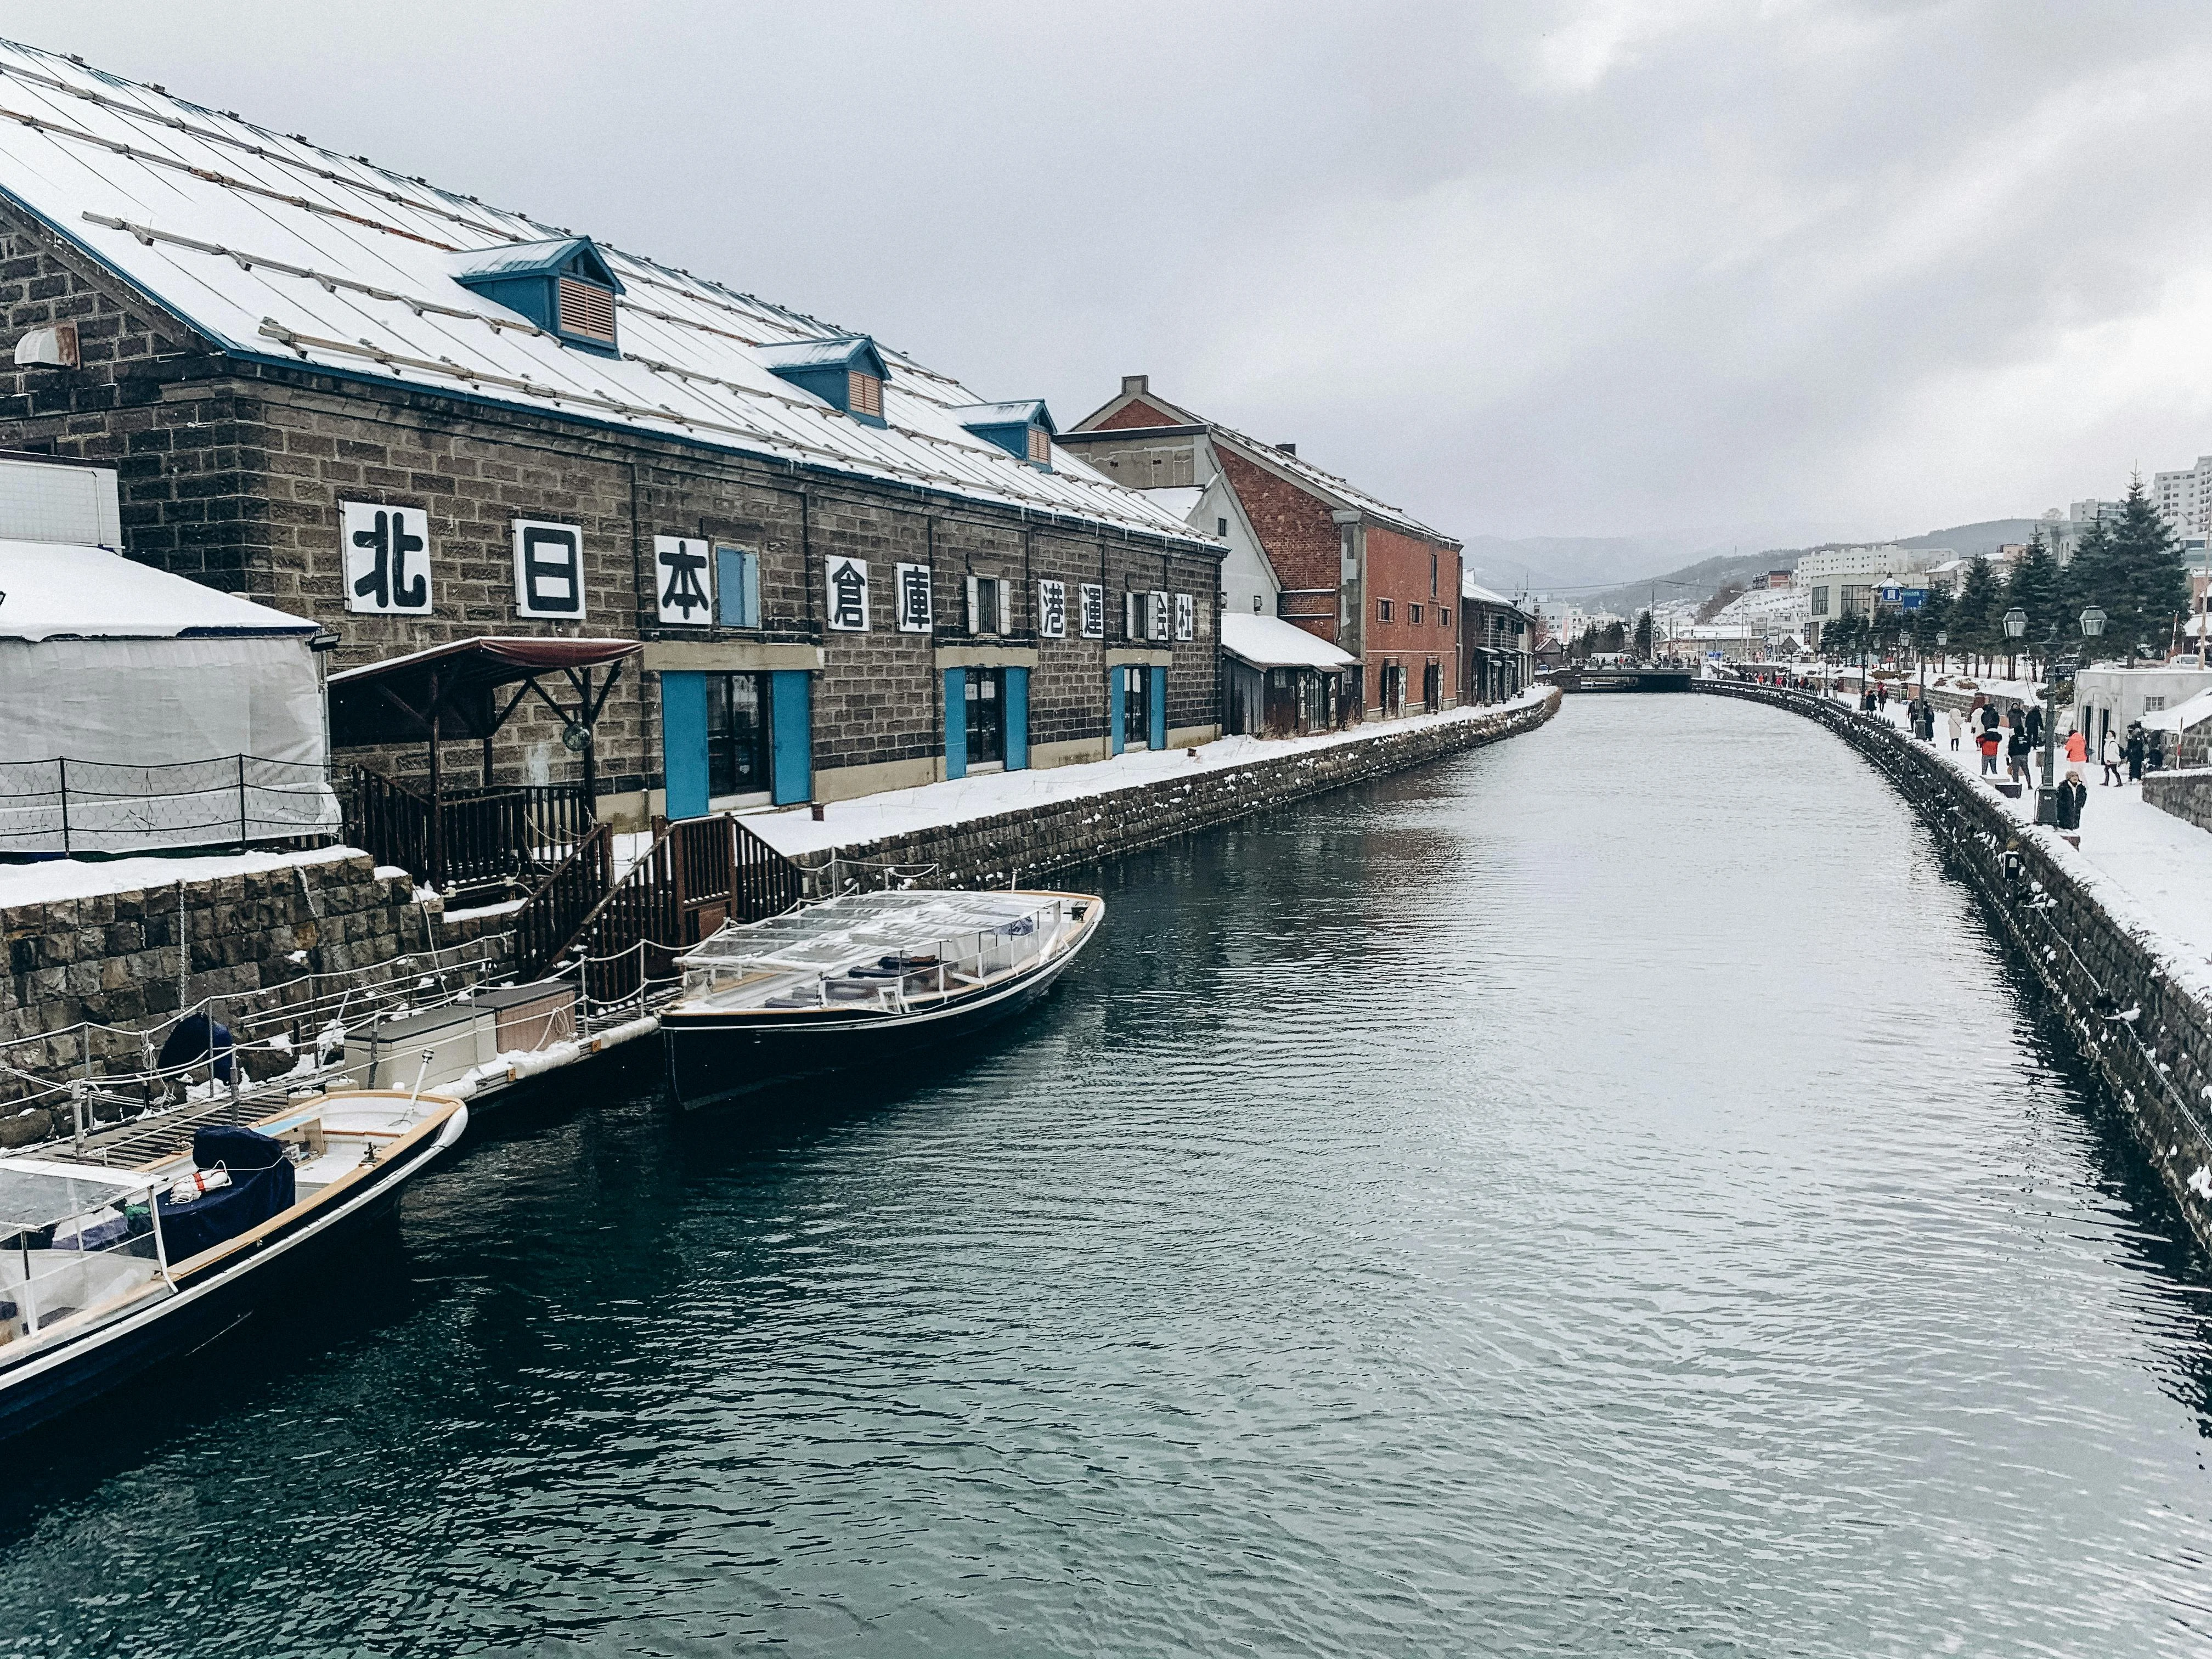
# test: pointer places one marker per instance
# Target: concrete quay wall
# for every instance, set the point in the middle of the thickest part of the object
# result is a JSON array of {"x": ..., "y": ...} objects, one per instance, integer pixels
[
  {"x": 2133, "y": 1004},
  {"x": 1025, "y": 846},
  {"x": 114, "y": 958}
]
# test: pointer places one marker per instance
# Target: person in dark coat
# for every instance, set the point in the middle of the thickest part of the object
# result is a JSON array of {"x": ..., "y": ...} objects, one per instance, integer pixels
[
  {"x": 2035, "y": 717},
  {"x": 2016, "y": 753},
  {"x": 1989, "y": 716},
  {"x": 2135, "y": 750},
  {"x": 2072, "y": 794}
]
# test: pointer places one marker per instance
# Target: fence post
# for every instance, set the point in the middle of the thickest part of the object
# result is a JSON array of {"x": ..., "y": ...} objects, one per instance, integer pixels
[
  {"x": 241, "y": 803},
  {"x": 61, "y": 772}
]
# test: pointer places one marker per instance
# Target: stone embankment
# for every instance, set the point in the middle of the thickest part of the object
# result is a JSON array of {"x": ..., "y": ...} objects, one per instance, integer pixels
[
  {"x": 115, "y": 958},
  {"x": 2187, "y": 795},
  {"x": 2138, "y": 1008},
  {"x": 1026, "y": 846}
]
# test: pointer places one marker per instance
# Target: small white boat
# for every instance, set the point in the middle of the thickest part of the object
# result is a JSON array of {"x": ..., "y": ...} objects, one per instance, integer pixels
[
  {"x": 862, "y": 979},
  {"x": 104, "y": 1271}
]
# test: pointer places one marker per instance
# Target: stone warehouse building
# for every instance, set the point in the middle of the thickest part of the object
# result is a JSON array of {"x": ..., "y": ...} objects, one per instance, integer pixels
[
  {"x": 420, "y": 422},
  {"x": 1303, "y": 546}
]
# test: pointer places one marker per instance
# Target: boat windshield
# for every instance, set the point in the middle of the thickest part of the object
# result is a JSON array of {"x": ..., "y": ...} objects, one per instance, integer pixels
[
  {"x": 882, "y": 949},
  {"x": 72, "y": 1238}
]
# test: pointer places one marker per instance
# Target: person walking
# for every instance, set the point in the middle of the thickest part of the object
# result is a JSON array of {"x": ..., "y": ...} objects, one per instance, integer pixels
[
  {"x": 2135, "y": 750},
  {"x": 2016, "y": 753},
  {"x": 1988, "y": 715},
  {"x": 1990, "y": 745},
  {"x": 1957, "y": 726},
  {"x": 2077, "y": 746},
  {"x": 2111, "y": 754},
  {"x": 2072, "y": 794},
  {"x": 2035, "y": 726}
]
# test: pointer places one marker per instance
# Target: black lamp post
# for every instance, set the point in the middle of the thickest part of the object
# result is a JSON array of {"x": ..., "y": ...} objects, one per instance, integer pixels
[{"x": 2093, "y": 625}]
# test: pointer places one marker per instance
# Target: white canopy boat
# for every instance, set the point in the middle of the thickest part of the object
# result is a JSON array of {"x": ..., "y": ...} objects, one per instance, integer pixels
[
  {"x": 106, "y": 1271},
  {"x": 863, "y": 978}
]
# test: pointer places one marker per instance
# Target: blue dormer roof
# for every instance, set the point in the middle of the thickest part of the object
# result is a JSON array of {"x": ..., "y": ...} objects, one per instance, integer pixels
[
  {"x": 1023, "y": 428},
  {"x": 827, "y": 369},
  {"x": 565, "y": 286}
]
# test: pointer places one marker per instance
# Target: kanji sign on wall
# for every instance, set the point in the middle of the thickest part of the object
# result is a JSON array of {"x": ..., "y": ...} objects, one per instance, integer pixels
[
  {"x": 682, "y": 579},
  {"x": 1052, "y": 610},
  {"x": 915, "y": 613},
  {"x": 1092, "y": 600},
  {"x": 1186, "y": 617},
  {"x": 846, "y": 582},
  {"x": 549, "y": 569},
  {"x": 1156, "y": 617},
  {"x": 387, "y": 558}
]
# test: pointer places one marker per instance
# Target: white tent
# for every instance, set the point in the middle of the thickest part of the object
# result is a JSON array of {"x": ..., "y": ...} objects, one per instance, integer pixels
[{"x": 147, "y": 711}]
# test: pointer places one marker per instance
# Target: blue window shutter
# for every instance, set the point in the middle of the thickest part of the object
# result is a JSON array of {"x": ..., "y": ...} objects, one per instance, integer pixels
[
  {"x": 1018, "y": 719},
  {"x": 791, "y": 737},
  {"x": 956, "y": 722},
  {"x": 1159, "y": 702},
  {"x": 1114, "y": 709},
  {"x": 684, "y": 744},
  {"x": 736, "y": 587}
]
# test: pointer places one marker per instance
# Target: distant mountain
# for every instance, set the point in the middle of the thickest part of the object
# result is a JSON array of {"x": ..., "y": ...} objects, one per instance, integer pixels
[{"x": 1968, "y": 539}]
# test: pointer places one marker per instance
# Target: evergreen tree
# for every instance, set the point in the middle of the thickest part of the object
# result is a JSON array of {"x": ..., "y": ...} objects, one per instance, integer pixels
[
  {"x": 2093, "y": 578},
  {"x": 1933, "y": 618},
  {"x": 2038, "y": 586},
  {"x": 1977, "y": 615},
  {"x": 1643, "y": 636},
  {"x": 2151, "y": 578},
  {"x": 1615, "y": 637}
]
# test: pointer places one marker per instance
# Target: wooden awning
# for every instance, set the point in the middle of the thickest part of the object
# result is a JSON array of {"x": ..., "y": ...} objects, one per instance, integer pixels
[{"x": 456, "y": 688}]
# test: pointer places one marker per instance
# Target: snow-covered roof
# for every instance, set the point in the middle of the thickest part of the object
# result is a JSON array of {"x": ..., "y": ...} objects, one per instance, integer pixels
[
  {"x": 275, "y": 248},
  {"x": 1022, "y": 411},
  {"x": 50, "y": 590},
  {"x": 1271, "y": 642},
  {"x": 2182, "y": 715},
  {"x": 529, "y": 258},
  {"x": 1471, "y": 589}
]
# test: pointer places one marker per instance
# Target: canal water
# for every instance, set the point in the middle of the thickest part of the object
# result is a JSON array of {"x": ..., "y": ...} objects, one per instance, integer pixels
[{"x": 1604, "y": 1193}]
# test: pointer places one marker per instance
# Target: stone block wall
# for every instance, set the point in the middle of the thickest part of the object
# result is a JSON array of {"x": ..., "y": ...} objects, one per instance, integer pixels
[
  {"x": 2187, "y": 795},
  {"x": 2133, "y": 1011},
  {"x": 114, "y": 958},
  {"x": 1025, "y": 846}
]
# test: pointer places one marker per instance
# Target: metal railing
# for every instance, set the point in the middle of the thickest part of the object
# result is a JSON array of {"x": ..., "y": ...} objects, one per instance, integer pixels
[
  {"x": 507, "y": 835},
  {"x": 547, "y": 922},
  {"x": 66, "y": 807}
]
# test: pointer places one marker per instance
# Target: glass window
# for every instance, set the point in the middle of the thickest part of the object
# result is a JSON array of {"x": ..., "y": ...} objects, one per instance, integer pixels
[
  {"x": 736, "y": 587},
  {"x": 987, "y": 717},
  {"x": 736, "y": 734},
  {"x": 1136, "y": 707}
]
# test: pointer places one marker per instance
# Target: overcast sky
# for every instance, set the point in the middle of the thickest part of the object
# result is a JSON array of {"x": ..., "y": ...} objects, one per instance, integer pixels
[{"x": 1742, "y": 268}]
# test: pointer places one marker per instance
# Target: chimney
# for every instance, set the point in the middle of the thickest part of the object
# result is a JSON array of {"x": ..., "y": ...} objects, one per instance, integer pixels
[
  {"x": 1134, "y": 384},
  {"x": 1288, "y": 449}
]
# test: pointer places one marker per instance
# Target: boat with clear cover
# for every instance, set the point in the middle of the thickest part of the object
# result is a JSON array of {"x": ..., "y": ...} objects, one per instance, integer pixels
[
  {"x": 107, "y": 1270},
  {"x": 861, "y": 978}
]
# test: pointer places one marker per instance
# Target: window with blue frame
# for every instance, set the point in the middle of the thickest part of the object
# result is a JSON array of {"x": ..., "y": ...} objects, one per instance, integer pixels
[{"x": 736, "y": 586}]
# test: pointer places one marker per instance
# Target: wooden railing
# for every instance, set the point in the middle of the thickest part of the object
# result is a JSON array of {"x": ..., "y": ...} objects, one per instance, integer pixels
[
  {"x": 698, "y": 874},
  {"x": 484, "y": 838},
  {"x": 548, "y": 921}
]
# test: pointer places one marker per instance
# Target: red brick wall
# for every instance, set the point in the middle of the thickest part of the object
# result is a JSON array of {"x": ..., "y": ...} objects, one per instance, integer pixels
[
  {"x": 1140, "y": 413},
  {"x": 1398, "y": 569},
  {"x": 1294, "y": 526}
]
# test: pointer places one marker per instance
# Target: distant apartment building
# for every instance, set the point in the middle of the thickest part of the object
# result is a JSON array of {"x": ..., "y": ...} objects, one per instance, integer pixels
[
  {"x": 2183, "y": 496},
  {"x": 1842, "y": 581}
]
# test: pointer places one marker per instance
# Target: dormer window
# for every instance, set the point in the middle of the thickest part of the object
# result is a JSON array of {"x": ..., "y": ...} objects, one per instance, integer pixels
[
  {"x": 846, "y": 372},
  {"x": 566, "y": 287},
  {"x": 1023, "y": 430}
]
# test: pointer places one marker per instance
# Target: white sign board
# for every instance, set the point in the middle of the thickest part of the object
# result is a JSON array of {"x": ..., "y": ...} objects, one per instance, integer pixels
[
  {"x": 915, "y": 614},
  {"x": 549, "y": 569},
  {"x": 846, "y": 583},
  {"x": 1092, "y": 600},
  {"x": 682, "y": 581},
  {"x": 1052, "y": 610},
  {"x": 387, "y": 558}
]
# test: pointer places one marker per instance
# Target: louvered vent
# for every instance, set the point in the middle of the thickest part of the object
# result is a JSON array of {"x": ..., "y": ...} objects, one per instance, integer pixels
[
  {"x": 587, "y": 309},
  {"x": 1040, "y": 447},
  {"x": 864, "y": 394}
]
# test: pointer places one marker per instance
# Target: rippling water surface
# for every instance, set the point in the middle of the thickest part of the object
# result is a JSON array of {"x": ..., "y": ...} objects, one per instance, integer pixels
[{"x": 1605, "y": 1193}]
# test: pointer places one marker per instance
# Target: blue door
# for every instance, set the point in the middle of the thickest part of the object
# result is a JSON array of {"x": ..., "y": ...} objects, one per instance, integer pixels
[
  {"x": 684, "y": 744},
  {"x": 1115, "y": 709},
  {"x": 1159, "y": 708},
  {"x": 791, "y": 742},
  {"x": 956, "y": 722},
  {"x": 1018, "y": 719}
]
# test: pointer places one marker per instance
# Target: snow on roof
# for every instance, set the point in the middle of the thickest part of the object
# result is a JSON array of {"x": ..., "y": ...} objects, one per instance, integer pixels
[
  {"x": 1271, "y": 642},
  {"x": 274, "y": 248},
  {"x": 1471, "y": 589},
  {"x": 526, "y": 258},
  {"x": 2182, "y": 715},
  {"x": 50, "y": 590},
  {"x": 1022, "y": 411}
]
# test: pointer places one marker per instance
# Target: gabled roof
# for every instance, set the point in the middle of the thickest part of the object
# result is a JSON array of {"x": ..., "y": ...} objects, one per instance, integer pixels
[
  {"x": 275, "y": 249},
  {"x": 1023, "y": 411},
  {"x": 546, "y": 258},
  {"x": 1304, "y": 472},
  {"x": 1271, "y": 642},
  {"x": 50, "y": 590},
  {"x": 841, "y": 351},
  {"x": 1471, "y": 589}
]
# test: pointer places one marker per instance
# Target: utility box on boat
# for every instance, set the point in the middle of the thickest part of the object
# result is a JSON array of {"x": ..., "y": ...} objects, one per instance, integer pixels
[
  {"x": 530, "y": 1018},
  {"x": 389, "y": 1055}
]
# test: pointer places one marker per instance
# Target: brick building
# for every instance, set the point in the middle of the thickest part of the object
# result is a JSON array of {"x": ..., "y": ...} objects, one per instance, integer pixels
[
  {"x": 419, "y": 420},
  {"x": 1302, "y": 544}
]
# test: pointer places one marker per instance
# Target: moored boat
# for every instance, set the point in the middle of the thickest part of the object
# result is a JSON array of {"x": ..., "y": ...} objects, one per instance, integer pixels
[
  {"x": 861, "y": 979},
  {"x": 106, "y": 1271}
]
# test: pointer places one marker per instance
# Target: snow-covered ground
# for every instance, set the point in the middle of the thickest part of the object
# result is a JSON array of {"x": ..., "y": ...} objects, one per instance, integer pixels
[
  {"x": 932, "y": 805},
  {"x": 68, "y": 878}
]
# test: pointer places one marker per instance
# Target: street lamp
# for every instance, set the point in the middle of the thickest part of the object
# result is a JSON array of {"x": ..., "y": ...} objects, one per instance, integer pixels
[{"x": 2046, "y": 803}]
